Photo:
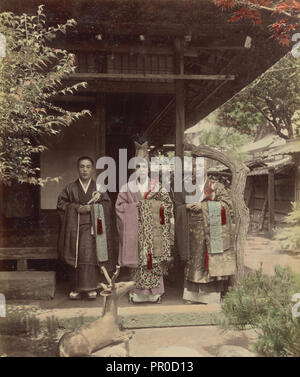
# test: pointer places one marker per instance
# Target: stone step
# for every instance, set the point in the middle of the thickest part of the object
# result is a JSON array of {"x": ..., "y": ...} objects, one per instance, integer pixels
[
  {"x": 33, "y": 285},
  {"x": 141, "y": 316}
]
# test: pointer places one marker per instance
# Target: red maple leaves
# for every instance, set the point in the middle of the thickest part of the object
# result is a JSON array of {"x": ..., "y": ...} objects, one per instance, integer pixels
[
  {"x": 252, "y": 11},
  {"x": 225, "y": 4},
  {"x": 282, "y": 30},
  {"x": 246, "y": 13}
]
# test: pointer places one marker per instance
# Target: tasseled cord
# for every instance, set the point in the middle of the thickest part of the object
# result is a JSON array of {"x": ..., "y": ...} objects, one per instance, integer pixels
[
  {"x": 206, "y": 261},
  {"x": 223, "y": 215},
  {"x": 99, "y": 226},
  {"x": 162, "y": 215},
  {"x": 149, "y": 259}
]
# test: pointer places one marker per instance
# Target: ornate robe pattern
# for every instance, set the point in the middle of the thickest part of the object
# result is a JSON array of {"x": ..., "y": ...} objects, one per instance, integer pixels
[
  {"x": 153, "y": 238},
  {"x": 154, "y": 212},
  {"x": 203, "y": 268}
]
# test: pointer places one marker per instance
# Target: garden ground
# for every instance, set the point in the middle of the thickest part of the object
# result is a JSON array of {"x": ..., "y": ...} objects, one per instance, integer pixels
[{"x": 178, "y": 330}]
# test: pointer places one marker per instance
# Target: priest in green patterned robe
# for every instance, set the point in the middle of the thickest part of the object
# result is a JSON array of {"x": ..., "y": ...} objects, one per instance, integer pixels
[{"x": 204, "y": 240}]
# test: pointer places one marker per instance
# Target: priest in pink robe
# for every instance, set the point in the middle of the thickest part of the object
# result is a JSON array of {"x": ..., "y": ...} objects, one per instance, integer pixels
[{"x": 144, "y": 212}]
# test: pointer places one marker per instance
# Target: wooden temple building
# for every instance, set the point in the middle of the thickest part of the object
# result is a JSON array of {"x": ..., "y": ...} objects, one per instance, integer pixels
[
  {"x": 273, "y": 182},
  {"x": 154, "y": 68}
]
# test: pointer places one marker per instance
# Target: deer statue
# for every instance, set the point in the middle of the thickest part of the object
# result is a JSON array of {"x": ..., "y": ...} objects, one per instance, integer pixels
[{"x": 105, "y": 330}]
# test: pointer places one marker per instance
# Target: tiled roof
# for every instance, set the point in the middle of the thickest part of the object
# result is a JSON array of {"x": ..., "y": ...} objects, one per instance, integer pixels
[
  {"x": 291, "y": 147},
  {"x": 278, "y": 165}
]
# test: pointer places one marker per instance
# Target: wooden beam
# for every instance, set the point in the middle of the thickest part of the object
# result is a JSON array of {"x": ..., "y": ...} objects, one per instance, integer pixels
[
  {"x": 219, "y": 173},
  {"x": 16, "y": 253},
  {"x": 212, "y": 93},
  {"x": 148, "y": 76},
  {"x": 169, "y": 107},
  {"x": 195, "y": 101},
  {"x": 138, "y": 49},
  {"x": 157, "y": 119},
  {"x": 33, "y": 285},
  {"x": 197, "y": 49},
  {"x": 126, "y": 48},
  {"x": 196, "y": 116},
  {"x": 101, "y": 86},
  {"x": 271, "y": 199},
  {"x": 74, "y": 99},
  {"x": 200, "y": 29}
]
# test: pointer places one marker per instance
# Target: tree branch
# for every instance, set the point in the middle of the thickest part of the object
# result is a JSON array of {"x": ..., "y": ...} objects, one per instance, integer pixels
[{"x": 260, "y": 7}]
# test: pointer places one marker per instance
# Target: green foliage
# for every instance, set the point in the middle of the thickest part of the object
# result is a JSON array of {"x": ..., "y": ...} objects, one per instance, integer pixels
[
  {"x": 265, "y": 303},
  {"x": 31, "y": 74},
  {"x": 23, "y": 330},
  {"x": 240, "y": 115},
  {"x": 289, "y": 236},
  {"x": 225, "y": 139},
  {"x": 272, "y": 99}
]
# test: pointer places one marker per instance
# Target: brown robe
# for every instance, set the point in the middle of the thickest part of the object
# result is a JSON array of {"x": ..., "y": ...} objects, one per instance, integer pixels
[
  {"x": 192, "y": 238},
  {"x": 83, "y": 268}
]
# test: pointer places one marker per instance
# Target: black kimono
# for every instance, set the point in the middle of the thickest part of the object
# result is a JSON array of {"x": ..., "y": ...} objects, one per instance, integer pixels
[{"x": 77, "y": 239}]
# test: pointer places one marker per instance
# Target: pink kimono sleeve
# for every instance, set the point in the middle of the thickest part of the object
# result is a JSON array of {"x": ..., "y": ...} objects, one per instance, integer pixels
[{"x": 127, "y": 225}]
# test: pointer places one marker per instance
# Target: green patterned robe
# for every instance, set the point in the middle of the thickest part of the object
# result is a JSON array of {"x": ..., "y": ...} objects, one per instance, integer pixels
[{"x": 193, "y": 244}]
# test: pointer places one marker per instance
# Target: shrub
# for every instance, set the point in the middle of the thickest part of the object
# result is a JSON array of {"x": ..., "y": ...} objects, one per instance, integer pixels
[
  {"x": 31, "y": 74},
  {"x": 289, "y": 236},
  {"x": 264, "y": 303}
]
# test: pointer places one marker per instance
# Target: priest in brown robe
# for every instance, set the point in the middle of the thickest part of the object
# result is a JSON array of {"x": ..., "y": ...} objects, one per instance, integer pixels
[
  {"x": 203, "y": 231},
  {"x": 85, "y": 239}
]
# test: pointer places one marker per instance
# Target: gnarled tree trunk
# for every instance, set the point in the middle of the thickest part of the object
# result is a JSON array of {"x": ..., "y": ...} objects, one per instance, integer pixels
[{"x": 241, "y": 212}]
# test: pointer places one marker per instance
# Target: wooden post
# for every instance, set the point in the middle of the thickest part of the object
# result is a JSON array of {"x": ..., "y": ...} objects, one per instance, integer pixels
[
  {"x": 271, "y": 199},
  {"x": 296, "y": 159},
  {"x": 263, "y": 214},
  {"x": 1, "y": 206},
  {"x": 251, "y": 191},
  {"x": 100, "y": 126},
  {"x": 22, "y": 265},
  {"x": 179, "y": 102},
  {"x": 180, "y": 119}
]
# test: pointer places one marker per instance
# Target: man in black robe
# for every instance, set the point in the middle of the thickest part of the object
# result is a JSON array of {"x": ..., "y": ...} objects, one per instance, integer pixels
[{"x": 85, "y": 240}]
